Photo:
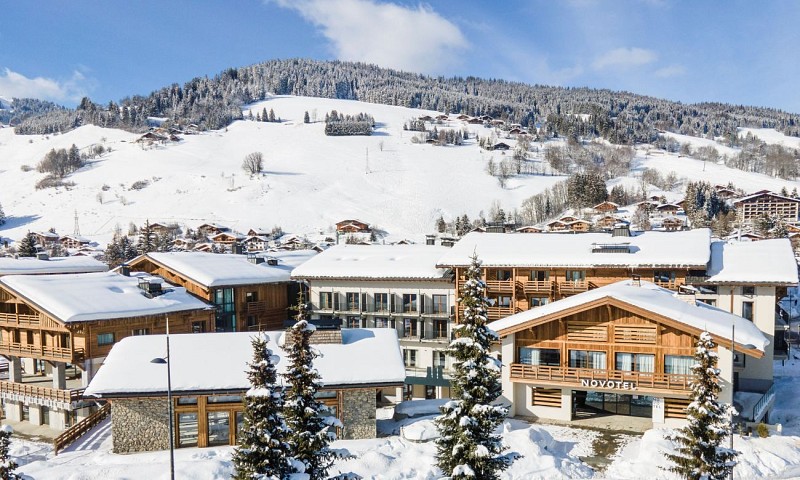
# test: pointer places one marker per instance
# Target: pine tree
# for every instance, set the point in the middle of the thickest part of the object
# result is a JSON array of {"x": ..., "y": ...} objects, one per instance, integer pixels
[
  {"x": 7, "y": 466},
  {"x": 147, "y": 239},
  {"x": 262, "y": 446},
  {"x": 700, "y": 451},
  {"x": 27, "y": 246},
  {"x": 306, "y": 118},
  {"x": 441, "y": 226},
  {"x": 2, "y": 215},
  {"x": 468, "y": 448},
  {"x": 309, "y": 433}
]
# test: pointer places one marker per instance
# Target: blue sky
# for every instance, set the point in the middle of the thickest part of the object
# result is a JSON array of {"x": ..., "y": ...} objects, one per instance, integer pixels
[{"x": 742, "y": 52}]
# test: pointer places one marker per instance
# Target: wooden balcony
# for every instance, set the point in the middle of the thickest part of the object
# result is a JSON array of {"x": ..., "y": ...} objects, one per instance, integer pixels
[
  {"x": 537, "y": 286},
  {"x": 571, "y": 287},
  {"x": 21, "y": 319},
  {"x": 500, "y": 286},
  {"x": 590, "y": 379},
  {"x": 255, "y": 308},
  {"x": 43, "y": 352},
  {"x": 496, "y": 313},
  {"x": 669, "y": 284},
  {"x": 40, "y": 395}
]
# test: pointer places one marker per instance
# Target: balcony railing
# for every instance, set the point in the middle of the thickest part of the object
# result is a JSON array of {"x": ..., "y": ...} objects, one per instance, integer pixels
[
  {"x": 537, "y": 286},
  {"x": 570, "y": 287},
  {"x": 38, "y": 394},
  {"x": 443, "y": 373},
  {"x": 255, "y": 308},
  {"x": 496, "y": 313},
  {"x": 21, "y": 319},
  {"x": 589, "y": 378},
  {"x": 42, "y": 351},
  {"x": 668, "y": 284},
  {"x": 500, "y": 286}
]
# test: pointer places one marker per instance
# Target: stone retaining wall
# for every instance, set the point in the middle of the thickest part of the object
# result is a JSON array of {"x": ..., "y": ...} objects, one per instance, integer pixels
[
  {"x": 358, "y": 413},
  {"x": 140, "y": 424}
]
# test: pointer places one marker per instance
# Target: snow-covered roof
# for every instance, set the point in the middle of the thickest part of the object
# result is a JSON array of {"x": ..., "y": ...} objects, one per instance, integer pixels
[
  {"x": 220, "y": 269},
  {"x": 761, "y": 193},
  {"x": 766, "y": 261},
  {"x": 655, "y": 299},
  {"x": 648, "y": 249},
  {"x": 406, "y": 262},
  {"x": 34, "y": 266},
  {"x": 84, "y": 297},
  {"x": 365, "y": 357}
]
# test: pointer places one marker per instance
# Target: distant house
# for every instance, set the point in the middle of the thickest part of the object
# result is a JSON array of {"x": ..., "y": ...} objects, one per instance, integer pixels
[
  {"x": 211, "y": 229},
  {"x": 579, "y": 226},
  {"x": 46, "y": 239},
  {"x": 255, "y": 243},
  {"x": 227, "y": 238},
  {"x": 606, "y": 207},
  {"x": 568, "y": 218},
  {"x": 475, "y": 121},
  {"x": 261, "y": 232},
  {"x": 426, "y": 118},
  {"x": 354, "y": 365},
  {"x": 672, "y": 223},
  {"x": 606, "y": 222},
  {"x": 183, "y": 243},
  {"x": 500, "y": 146},
  {"x": 765, "y": 202},
  {"x": 152, "y": 137},
  {"x": 74, "y": 241},
  {"x": 668, "y": 209},
  {"x": 724, "y": 192},
  {"x": 463, "y": 117},
  {"x": 557, "y": 226},
  {"x": 442, "y": 117},
  {"x": 352, "y": 226},
  {"x": 529, "y": 229}
]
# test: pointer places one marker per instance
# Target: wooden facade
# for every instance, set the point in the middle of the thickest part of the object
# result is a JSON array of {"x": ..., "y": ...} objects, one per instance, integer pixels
[
  {"x": 262, "y": 306},
  {"x": 514, "y": 289}
]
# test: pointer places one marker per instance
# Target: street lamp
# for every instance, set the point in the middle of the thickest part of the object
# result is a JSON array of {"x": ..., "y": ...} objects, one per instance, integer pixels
[{"x": 166, "y": 360}]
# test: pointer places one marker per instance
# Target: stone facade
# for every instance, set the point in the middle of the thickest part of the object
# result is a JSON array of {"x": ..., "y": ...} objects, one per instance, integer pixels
[
  {"x": 358, "y": 413},
  {"x": 140, "y": 424}
]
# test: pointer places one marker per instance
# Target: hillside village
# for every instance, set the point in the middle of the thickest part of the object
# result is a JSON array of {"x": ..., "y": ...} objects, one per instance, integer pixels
[{"x": 598, "y": 282}]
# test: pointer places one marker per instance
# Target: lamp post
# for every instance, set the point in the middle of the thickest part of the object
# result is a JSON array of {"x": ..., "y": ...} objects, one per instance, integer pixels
[{"x": 167, "y": 360}]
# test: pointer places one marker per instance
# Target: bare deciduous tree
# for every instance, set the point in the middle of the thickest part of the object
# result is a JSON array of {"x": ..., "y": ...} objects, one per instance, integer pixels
[{"x": 253, "y": 163}]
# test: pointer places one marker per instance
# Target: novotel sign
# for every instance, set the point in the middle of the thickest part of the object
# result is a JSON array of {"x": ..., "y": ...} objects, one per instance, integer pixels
[{"x": 585, "y": 382}]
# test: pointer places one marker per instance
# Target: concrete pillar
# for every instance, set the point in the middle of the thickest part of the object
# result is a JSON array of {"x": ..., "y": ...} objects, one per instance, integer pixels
[
  {"x": 508, "y": 352},
  {"x": 59, "y": 375},
  {"x": 30, "y": 365},
  {"x": 658, "y": 410},
  {"x": 59, "y": 419},
  {"x": 398, "y": 393},
  {"x": 13, "y": 411},
  {"x": 35, "y": 414},
  {"x": 15, "y": 370},
  {"x": 439, "y": 392}
]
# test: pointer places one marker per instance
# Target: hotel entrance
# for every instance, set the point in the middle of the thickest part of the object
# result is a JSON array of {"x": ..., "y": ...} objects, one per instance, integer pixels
[{"x": 589, "y": 404}]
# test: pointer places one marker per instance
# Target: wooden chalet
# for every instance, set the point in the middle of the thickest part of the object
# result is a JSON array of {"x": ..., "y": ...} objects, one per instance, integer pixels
[
  {"x": 668, "y": 209},
  {"x": 46, "y": 239},
  {"x": 463, "y": 117},
  {"x": 352, "y": 226},
  {"x": 255, "y": 243},
  {"x": 162, "y": 228},
  {"x": 724, "y": 192},
  {"x": 579, "y": 226},
  {"x": 557, "y": 226},
  {"x": 765, "y": 202},
  {"x": 226, "y": 238},
  {"x": 529, "y": 229},
  {"x": 249, "y": 292},
  {"x": 568, "y": 219},
  {"x": 259, "y": 232},
  {"x": 607, "y": 222},
  {"x": 74, "y": 241},
  {"x": 57, "y": 329},
  {"x": 209, "y": 229},
  {"x": 623, "y": 349},
  {"x": 606, "y": 207},
  {"x": 208, "y": 395},
  {"x": 671, "y": 223},
  {"x": 501, "y": 146},
  {"x": 526, "y": 271},
  {"x": 475, "y": 121}
]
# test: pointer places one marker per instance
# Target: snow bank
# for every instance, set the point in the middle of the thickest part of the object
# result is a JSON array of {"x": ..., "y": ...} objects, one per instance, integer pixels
[{"x": 417, "y": 408}]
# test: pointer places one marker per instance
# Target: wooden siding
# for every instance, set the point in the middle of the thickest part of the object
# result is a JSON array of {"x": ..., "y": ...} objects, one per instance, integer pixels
[{"x": 546, "y": 397}]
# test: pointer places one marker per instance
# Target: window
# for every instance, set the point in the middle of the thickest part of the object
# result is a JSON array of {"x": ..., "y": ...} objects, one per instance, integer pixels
[
  {"x": 708, "y": 301},
  {"x": 747, "y": 310},
  {"x": 251, "y": 297},
  {"x": 381, "y": 322},
  {"x": 587, "y": 359},
  {"x": 105, "y": 339},
  {"x": 219, "y": 432},
  {"x": 409, "y": 302},
  {"x": 504, "y": 275},
  {"x": 749, "y": 291},
  {"x": 29, "y": 337},
  {"x": 252, "y": 322},
  {"x": 225, "y": 399},
  {"x": 325, "y": 300},
  {"x": 439, "y": 303},
  {"x": 540, "y": 356},
  {"x": 410, "y": 358},
  {"x": 410, "y": 327},
  {"x": 352, "y": 301},
  {"x": 678, "y": 364},
  {"x": 664, "y": 276},
  {"x": 539, "y": 275},
  {"x": 635, "y": 362},
  {"x": 439, "y": 359},
  {"x": 353, "y": 322},
  {"x": 187, "y": 401},
  {"x": 325, "y": 394},
  {"x": 430, "y": 392},
  {"x": 440, "y": 328},
  {"x": 226, "y": 310},
  {"x": 503, "y": 301},
  {"x": 381, "y": 302},
  {"x": 575, "y": 275},
  {"x": 537, "y": 301},
  {"x": 198, "y": 327},
  {"x": 140, "y": 331}
]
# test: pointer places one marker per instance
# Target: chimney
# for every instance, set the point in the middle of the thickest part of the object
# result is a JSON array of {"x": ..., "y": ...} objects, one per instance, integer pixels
[
  {"x": 151, "y": 286},
  {"x": 42, "y": 256},
  {"x": 236, "y": 249},
  {"x": 255, "y": 259},
  {"x": 272, "y": 261},
  {"x": 687, "y": 294},
  {"x": 430, "y": 239},
  {"x": 621, "y": 230},
  {"x": 125, "y": 270}
]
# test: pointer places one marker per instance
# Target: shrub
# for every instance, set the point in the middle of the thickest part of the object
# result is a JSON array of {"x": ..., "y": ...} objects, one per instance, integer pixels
[
  {"x": 26, "y": 168},
  {"x": 253, "y": 163},
  {"x": 762, "y": 430},
  {"x": 52, "y": 181},
  {"x": 139, "y": 184}
]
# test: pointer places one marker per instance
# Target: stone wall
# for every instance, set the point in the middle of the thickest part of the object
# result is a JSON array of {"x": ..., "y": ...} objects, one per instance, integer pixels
[
  {"x": 140, "y": 424},
  {"x": 358, "y": 413}
]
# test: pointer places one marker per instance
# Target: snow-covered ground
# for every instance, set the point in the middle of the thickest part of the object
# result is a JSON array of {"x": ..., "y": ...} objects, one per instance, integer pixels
[
  {"x": 310, "y": 180},
  {"x": 548, "y": 452}
]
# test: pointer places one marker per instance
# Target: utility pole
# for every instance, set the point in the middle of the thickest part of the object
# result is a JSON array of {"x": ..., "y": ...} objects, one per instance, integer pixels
[{"x": 367, "y": 167}]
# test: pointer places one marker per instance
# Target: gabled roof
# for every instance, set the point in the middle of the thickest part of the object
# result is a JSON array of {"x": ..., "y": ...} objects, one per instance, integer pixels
[
  {"x": 762, "y": 193},
  {"x": 85, "y": 297},
  {"x": 34, "y": 266},
  {"x": 365, "y": 357},
  {"x": 658, "y": 302},
  {"x": 764, "y": 262},
  {"x": 399, "y": 262},
  {"x": 648, "y": 249},
  {"x": 218, "y": 269}
]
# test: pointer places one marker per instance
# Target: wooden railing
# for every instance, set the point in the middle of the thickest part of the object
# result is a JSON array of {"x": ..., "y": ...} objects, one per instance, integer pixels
[
  {"x": 500, "y": 286},
  {"x": 256, "y": 308},
  {"x": 42, "y": 351},
  {"x": 668, "y": 284},
  {"x": 45, "y": 393},
  {"x": 570, "y": 287},
  {"x": 578, "y": 376},
  {"x": 76, "y": 431},
  {"x": 537, "y": 286},
  {"x": 496, "y": 313},
  {"x": 21, "y": 319}
]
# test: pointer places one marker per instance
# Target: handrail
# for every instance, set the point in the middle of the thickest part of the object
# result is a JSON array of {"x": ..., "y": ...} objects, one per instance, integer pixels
[
  {"x": 761, "y": 405},
  {"x": 17, "y": 388},
  {"x": 76, "y": 431},
  {"x": 575, "y": 376}
]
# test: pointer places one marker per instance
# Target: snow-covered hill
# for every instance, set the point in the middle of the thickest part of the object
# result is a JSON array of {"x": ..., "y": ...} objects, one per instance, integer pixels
[{"x": 310, "y": 182}]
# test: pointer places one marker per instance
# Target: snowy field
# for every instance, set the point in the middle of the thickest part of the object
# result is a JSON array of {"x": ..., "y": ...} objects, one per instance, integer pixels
[{"x": 548, "y": 452}]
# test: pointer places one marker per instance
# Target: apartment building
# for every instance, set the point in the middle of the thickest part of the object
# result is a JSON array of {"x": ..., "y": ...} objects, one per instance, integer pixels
[{"x": 765, "y": 202}]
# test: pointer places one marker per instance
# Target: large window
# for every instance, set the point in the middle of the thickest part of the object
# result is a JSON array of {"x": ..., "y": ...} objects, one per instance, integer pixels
[
  {"x": 105, "y": 339},
  {"x": 352, "y": 301},
  {"x": 747, "y": 310},
  {"x": 678, "y": 364},
  {"x": 187, "y": 429},
  {"x": 410, "y": 327},
  {"x": 575, "y": 275},
  {"x": 587, "y": 359},
  {"x": 635, "y": 362},
  {"x": 381, "y": 322},
  {"x": 539, "y": 275},
  {"x": 410, "y": 357},
  {"x": 226, "y": 310},
  {"x": 325, "y": 300},
  {"x": 537, "y": 301},
  {"x": 439, "y": 303},
  {"x": 381, "y": 302},
  {"x": 353, "y": 322},
  {"x": 439, "y": 359},
  {"x": 440, "y": 328},
  {"x": 503, "y": 301},
  {"x": 540, "y": 356},
  {"x": 409, "y": 302},
  {"x": 219, "y": 429},
  {"x": 665, "y": 276},
  {"x": 503, "y": 275}
]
